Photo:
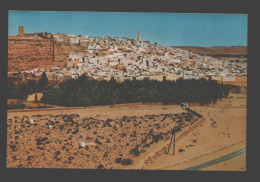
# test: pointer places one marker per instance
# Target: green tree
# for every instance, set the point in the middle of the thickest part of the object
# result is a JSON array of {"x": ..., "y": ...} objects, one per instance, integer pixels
[
  {"x": 11, "y": 90},
  {"x": 22, "y": 91},
  {"x": 32, "y": 86},
  {"x": 51, "y": 94},
  {"x": 43, "y": 81},
  {"x": 86, "y": 92}
]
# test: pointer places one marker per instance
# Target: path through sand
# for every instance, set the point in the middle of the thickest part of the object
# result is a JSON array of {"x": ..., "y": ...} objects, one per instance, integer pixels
[{"x": 225, "y": 124}]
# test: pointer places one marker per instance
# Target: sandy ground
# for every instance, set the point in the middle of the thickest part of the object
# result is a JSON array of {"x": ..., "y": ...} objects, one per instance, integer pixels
[
  {"x": 52, "y": 140},
  {"x": 236, "y": 164},
  {"x": 120, "y": 110},
  {"x": 224, "y": 124}
]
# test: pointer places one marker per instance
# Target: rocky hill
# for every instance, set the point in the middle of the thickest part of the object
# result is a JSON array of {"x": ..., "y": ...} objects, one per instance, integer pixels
[{"x": 28, "y": 54}]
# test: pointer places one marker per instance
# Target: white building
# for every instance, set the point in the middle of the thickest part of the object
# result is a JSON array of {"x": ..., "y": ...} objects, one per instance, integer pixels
[{"x": 76, "y": 55}]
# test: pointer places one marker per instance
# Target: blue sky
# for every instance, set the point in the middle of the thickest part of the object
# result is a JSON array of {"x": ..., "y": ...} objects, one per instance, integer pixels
[{"x": 170, "y": 29}]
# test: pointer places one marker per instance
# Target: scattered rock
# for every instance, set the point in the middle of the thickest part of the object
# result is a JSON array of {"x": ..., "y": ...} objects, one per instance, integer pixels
[{"x": 82, "y": 144}]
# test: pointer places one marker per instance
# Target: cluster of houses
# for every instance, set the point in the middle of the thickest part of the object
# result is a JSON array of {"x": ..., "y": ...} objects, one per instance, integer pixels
[{"x": 124, "y": 58}]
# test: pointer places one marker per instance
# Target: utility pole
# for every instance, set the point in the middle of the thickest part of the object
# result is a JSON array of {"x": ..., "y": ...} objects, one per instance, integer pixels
[
  {"x": 169, "y": 146},
  {"x": 53, "y": 49},
  {"x": 173, "y": 137},
  {"x": 173, "y": 142}
]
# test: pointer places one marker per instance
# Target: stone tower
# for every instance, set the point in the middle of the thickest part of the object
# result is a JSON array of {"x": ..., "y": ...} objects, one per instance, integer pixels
[
  {"x": 21, "y": 30},
  {"x": 138, "y": 37}
]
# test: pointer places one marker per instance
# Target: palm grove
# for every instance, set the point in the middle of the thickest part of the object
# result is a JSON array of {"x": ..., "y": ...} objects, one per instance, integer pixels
[{"x": 89, "y": 92}]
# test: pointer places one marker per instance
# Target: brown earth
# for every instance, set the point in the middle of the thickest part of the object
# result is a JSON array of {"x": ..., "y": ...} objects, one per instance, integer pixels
[
  {"x": 224, "y": 124},
  {"x": 30, "y": 54},
  {"x": 240, "y": 81},
  {"x": 236, "y": 164},
  {"x": 233, "y": 50},
  {"x": 109, "y": 132},
  {"x": 227, "y": 53},
  {"x": 223, "y": 132}
]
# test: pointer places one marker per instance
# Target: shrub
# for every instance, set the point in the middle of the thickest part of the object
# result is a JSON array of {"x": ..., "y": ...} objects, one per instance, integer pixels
[
  {"x": 142, "y": 151},
  {"x": 157, "y": 137},
  {"x": 98, "y": 142},
  {"x": 176, "y": 129},
  {"x": 100, "y": 166},
  {"x": 13, "y": 147},
  {"x": 75, "y": 132},
  {"x": 41, "y": 140},
  {"x": 122, "y": 134},
  {"x": 41, "y": 148},
  {"x": 57, "y": 153},
  {"x": 135, "y": 151},
  {"x": 71, "y": 158},
  {"x": 127, "y": 162},
  {"x": 146, "y": 145},
  {"x": 118, "y": 160},
  {"x": 144, "y": 140}
]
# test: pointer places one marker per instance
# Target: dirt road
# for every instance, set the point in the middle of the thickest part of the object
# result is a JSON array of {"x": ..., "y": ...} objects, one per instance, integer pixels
[
  {"x": 225, "y": 124},
  {"x": 218, "y": 160}
]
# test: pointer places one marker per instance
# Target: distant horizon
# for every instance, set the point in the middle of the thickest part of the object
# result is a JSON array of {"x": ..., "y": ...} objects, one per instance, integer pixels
[{"x": 166, "y": 29}]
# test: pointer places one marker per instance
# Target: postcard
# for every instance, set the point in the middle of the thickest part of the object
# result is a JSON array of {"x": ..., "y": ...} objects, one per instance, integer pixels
[{"x": 127, "y": 90}]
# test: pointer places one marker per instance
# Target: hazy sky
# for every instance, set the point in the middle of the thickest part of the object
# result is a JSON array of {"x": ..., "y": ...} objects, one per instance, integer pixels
[{"x": 176, "y": 29}]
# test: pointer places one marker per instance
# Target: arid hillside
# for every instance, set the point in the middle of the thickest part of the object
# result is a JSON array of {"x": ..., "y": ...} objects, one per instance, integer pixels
[
  {"x": 233, "y": 51},
  {"x": 29, "y": 54}
]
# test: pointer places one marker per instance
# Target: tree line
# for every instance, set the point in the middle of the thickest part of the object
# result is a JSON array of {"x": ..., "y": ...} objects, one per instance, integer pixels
[
  {"x": 21, "y": 90},
  {"x": 88, "y": 92}
]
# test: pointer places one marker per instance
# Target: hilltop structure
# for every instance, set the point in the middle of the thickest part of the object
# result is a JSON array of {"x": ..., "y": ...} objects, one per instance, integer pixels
[
  {"x": 138, "y": 37},
  {"x": 21, "y": 31},
  {"x": 22, "y": 34}
]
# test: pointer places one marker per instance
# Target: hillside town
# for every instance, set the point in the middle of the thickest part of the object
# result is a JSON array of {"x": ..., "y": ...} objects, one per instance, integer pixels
[
  {"x": 157, "y": 91},
  {"x": 123, "y": 58}
]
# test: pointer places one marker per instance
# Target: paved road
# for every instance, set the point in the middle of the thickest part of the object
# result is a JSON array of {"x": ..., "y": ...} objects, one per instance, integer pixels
[{"x": 218, "y": 160}]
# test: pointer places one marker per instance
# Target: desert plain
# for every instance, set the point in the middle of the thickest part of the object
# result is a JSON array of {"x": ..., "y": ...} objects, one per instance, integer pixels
[{"x": 130, "y": 136}]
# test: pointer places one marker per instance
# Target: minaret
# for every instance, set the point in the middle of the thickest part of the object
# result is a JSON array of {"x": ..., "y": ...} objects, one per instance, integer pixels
[
  {"x": 21, "y": 30},
  {"x": 138, "y": 37}
]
